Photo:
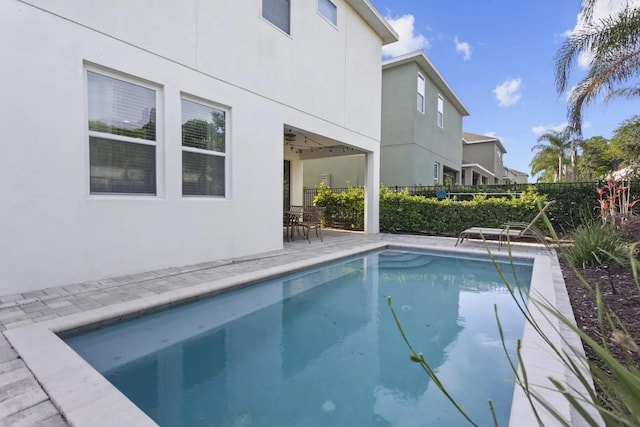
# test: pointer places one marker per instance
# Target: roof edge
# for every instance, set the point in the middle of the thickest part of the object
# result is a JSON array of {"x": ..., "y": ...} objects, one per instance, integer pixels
[
  {"x": 479, "y": 166},
  {"x": 516, "y": 172},
  {"x": 423, "y": 62},
  {"x": 371, "y": 16},
  {"x": 488, "y": 139}
]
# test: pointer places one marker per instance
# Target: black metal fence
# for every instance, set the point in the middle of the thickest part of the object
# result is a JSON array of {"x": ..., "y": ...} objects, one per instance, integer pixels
[{"x": 456, "y": 189}]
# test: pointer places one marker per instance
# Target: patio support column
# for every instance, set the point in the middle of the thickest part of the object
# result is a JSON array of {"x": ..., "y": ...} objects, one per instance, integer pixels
[
  {"x": 297, "y": 188},
  {"x": 372, "y": 193}
]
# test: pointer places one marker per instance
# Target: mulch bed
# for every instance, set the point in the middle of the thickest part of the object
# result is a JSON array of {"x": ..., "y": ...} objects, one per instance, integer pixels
[{"x": 620, "y": 295}]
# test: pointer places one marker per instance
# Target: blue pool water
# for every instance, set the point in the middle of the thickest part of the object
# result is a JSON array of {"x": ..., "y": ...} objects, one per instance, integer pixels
[{"x": 320, "y": 347}]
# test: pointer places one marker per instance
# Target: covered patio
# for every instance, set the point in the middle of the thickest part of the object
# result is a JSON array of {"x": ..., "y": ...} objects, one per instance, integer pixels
[
  {"x": 301, "y": 144},
  {"x": 476, "y": 174}
]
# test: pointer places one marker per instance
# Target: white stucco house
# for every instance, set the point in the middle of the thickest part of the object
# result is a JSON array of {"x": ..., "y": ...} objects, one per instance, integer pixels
[{"x": 142, "y": 135}]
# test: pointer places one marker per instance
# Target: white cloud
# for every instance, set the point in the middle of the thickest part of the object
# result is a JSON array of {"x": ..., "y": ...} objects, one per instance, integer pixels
[
  {"x": 584, "y": 59},
  {"x": 564, "y": 35},
  {"x": 507, "y": 93},
  {"x": 408, "y": 40},
  {"x": 601, "y": 10},
  {"x": 540, "y": 129},
  {"x": 464, "y": 48}
]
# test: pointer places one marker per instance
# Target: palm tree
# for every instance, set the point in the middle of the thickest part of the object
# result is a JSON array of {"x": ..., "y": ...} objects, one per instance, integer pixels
[
  {"x": 560, "y": 143},
  {"x": 614, "y": 45},
  {"x": 545, "y": 162}
]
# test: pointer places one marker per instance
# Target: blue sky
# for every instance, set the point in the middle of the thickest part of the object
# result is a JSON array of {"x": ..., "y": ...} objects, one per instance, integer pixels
[{"x": 498, "y": 57}]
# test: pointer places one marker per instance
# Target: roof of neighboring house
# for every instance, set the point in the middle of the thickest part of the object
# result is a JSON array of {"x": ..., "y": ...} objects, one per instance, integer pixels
[
  {"x": 371, "y": 16},
  {"x": 517, "y": 172},
  {"x": 423, "y": 62},
  {"x": 474, "y": 138}
]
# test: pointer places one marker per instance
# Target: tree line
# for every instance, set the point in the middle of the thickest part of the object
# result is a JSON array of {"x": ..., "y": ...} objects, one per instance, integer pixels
[{"x": 565, "y": 156}]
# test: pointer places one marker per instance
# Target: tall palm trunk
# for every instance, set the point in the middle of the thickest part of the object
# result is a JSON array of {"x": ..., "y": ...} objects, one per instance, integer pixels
[
  {"x": 574, "y": 162},
  {"x": 559, "y": 176}
]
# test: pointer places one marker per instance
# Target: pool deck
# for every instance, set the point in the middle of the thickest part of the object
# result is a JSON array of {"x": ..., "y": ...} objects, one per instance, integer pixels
[{"x": 24, "y": 402}]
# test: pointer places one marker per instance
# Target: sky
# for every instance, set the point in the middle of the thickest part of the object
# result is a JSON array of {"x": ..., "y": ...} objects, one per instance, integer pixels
[{"x": 498, "y": 57}]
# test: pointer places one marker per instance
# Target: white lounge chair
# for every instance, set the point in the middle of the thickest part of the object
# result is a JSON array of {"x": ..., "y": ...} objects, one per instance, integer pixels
[{"x": 509, "y": 230}]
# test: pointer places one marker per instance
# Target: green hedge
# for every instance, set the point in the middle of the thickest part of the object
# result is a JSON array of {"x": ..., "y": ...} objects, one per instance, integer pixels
[
  {"x": 404, "y": 213},
  {"x": 401, "y": 212},
  {"x": 344, "y": 209},
  {"x": 576, "y": 202},
  {"x": 417, "y": 210}
]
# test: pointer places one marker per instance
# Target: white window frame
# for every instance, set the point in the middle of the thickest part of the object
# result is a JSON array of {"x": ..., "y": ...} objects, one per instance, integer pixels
[
  {"x": 436, "y": 172},
  {"x": 440, "y": 112},
  {"x": 288, "y": 33},
  {"x": 327, "y": 18},
  {"x": 225, "y": 155},
  {"x": 158, "y": 143},
  {"x": 420, "y": 99}
]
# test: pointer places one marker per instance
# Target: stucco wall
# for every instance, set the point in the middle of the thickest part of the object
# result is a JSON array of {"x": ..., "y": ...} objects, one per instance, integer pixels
[
  {"x": 325, "y": 70},
  {"x": 54, "y": 232},
  {"x": 398, "y": 105},
  {"x": 344, "y": 171},
  {"x": 412, "y": 141},
  {"x": 485, "y": 154}
]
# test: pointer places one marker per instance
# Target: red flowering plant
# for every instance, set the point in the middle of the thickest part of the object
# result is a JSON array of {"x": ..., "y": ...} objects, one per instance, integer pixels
[{"x": 615, "y": 201}]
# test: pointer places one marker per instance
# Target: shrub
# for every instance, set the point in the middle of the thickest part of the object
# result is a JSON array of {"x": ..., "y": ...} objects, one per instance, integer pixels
[
  {"x": 403, "y": 213},
  {"x": 615, "y": 200},
  {"x": 596, "y": 245},
  {"x": 344, "y": 209},
  {"x": 574, "y": 200}
]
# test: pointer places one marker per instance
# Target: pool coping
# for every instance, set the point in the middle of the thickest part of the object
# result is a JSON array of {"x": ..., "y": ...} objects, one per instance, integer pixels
[{"x": 86, "y": 398}]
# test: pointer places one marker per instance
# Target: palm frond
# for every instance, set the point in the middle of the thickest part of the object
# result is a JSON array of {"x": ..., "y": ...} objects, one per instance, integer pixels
[
  {"x": 587, "y": 9},
  {"x": 614, "y": 46},
  {"x": 602, "y": 76},
  {"x": 628, "y": 92}
]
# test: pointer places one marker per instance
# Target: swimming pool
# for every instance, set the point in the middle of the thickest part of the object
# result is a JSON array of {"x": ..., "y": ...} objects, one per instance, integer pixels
[{"x": 319, "y": 347}]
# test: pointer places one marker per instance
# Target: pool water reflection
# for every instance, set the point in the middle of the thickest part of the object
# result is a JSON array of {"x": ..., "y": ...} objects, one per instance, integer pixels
[{"x": 320, "y": 347}]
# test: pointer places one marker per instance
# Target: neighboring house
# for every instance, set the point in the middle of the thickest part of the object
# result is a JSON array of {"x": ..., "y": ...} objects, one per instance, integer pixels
[
  {"x": 421, "y": 130},
  {"x": 512, "y": 176},
  {"x": 482, "y": 159},
  {"x": 421, "y": 124},
  {"x": 142, "y": 135}
]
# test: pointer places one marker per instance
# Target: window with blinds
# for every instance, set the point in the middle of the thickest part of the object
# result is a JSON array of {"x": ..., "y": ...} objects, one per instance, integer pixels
[
  {"x": 421, "y": 93},
  {"x": 204, "y": 140},
  {"x": 440, "y": 116},
  {"x": 278, "y": 13},
  {"x": 122, "y": 136},
  {"x": 328, "y": 10}
]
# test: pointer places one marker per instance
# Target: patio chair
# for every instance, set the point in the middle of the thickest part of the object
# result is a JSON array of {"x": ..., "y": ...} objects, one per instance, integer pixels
[
  {"x": 312, "y": 219},
  {"x": 510, "y": 230},
  {"x": 291, "y": 220}
]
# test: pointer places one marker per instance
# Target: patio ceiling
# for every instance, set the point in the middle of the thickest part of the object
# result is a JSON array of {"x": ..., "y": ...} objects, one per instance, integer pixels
[{"x": 309, "y": 145}]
